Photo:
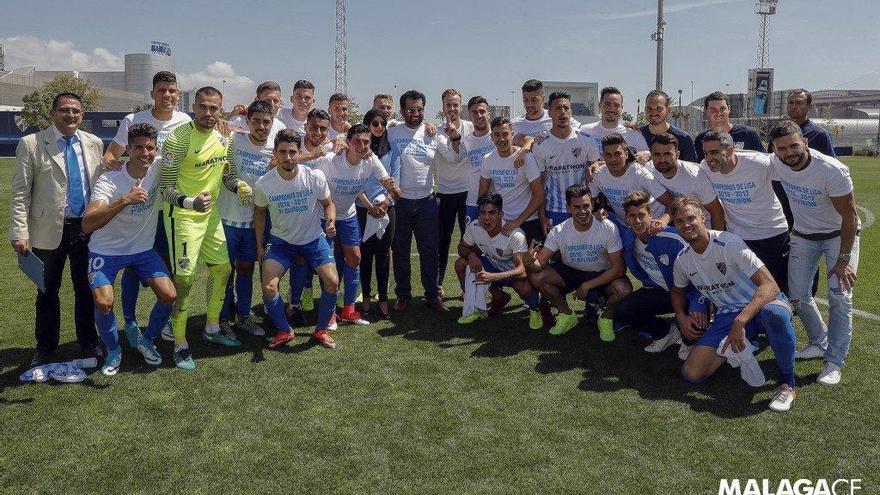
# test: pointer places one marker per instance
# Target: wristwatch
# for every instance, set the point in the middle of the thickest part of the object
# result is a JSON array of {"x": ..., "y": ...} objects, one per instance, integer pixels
[{"x": 844, "y": 257}]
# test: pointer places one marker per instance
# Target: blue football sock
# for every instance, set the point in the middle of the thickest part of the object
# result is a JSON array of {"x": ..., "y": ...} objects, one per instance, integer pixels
[
  {"x": 325, "y": 309},
  {"x": 244, "y": 290},
  {"x": 352, "y": 281},
  {"x": 532, "y": 301},
  {"x": 106, "y": 324},
  {"x": 131, "y": 286},
  {"x": 299, "y": 279},
  {"x": 158, "y": 318},
  {"x": 228, "y": 300},
  {"x": 775, "y": 321},
  {"x": 275, "y": 310}
]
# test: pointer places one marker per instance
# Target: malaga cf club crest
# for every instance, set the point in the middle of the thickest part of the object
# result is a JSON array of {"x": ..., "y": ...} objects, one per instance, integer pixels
[
  {"x": 500, "y": 252},
  {"x": 722, "y": 267},
  {"x": 576, "y": 152},
  {"x": 664, "y": 258}
]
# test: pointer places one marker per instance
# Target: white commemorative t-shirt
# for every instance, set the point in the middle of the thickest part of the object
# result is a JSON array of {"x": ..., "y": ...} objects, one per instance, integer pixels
[
  {"x": 588, "y": 250},
  {"x": 616, "y": 189},
  {"x": 239, "y": 124},
  {"x": 564, "y": 162},
  {"x": 595, "y": 131},
  {"x": 293, "y": 204},
  {"x": 315, "y": 163},
  {"x": 534, "y": 128},
  {"x": 810, "y": 191},
  {"x": 476, "y": 148},
  {"x": 285, "y": 115},
  {"x": 722, "y": 273},
  {"x": 346, "y": 181},
  {"x": 251, "y": 162},
  {"x": 414, "y": 153},
  {"x": 164, "y": 127},
  {"x": 649, "y": 263},
  {"x": 499, "y": 249},
  {"x": 454, "y": 176},
  {"x": 688, "y": 180},
  {"x": 510, "y": 182},
  {"x": 132, "y": 230},
  {"x": 751, "y": 209}
]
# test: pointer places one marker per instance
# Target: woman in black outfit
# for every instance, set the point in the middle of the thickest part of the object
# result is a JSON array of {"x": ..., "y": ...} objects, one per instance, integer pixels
[{"x": 374, "y": 248}]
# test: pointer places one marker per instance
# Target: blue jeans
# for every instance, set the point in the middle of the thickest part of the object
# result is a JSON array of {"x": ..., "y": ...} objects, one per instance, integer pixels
[
  {"x": 417, "y": 217},
  {"x": 802, "y": 266}
]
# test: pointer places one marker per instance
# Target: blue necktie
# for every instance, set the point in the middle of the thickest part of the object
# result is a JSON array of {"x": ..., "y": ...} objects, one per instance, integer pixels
[{"x": 74, "y": 179}]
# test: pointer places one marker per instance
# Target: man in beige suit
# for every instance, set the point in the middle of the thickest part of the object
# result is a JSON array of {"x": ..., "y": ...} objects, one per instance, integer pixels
[{"x": 56, "y": 169}]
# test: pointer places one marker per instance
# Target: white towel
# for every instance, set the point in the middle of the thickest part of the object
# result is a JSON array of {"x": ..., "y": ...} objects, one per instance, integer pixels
[
  {"x": 749, "y": 369},
  {"x": 474, "y": 294},
  {"x": 376, "y": 226}
]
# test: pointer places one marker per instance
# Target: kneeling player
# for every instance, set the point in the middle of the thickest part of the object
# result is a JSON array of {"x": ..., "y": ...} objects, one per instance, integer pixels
[
  {"x": 289, "y": 192},
  {"x": 123, "y": 215},
  {"x": 650, "y": 258},
  {"x": 496, "y": 259},
  {"x": 748, "y": 301},
  {"x": 592, "y": 265}
]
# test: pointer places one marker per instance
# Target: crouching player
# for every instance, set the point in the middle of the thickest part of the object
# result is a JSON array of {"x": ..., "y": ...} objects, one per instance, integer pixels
[
  {"x": 591, "y": 264},
  {"x": 289, "y": 193},
  {"x": 122, "y": 215},
  {"x": 495, "y": 259},
  {"x": 748, "y": 301},
  {"x": 650, "y": 258}
]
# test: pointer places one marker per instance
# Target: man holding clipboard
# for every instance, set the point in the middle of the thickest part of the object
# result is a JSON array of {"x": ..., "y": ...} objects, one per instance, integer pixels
[{"x": 55, "y": 171}]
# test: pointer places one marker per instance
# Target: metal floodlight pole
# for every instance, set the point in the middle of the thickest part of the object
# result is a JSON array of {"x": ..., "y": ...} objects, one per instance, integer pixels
[
  {"x": 341, "y": 79},
  {"x": 658, "y": 37}
]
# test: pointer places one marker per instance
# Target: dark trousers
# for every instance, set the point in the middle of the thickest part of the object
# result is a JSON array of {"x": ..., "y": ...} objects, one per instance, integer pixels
[
  {"x": 452, "y": 208},
  {"x": 378, "y": 250},
  {"x": 416, "y": 217},
  {"x": 773, "y": 251},
  {"x": 74, "y": 245},
  {"x": 641, "y": 308},
  {"x": 533, "y": 231}
]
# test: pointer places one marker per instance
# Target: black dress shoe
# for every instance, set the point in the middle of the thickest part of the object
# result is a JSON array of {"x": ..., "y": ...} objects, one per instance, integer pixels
[
  {"x": 438, "y": 306},
  {"x": 400, "y": 305},
  {"x": 93, "y": 351},
  {"x": 41, "y": 358}
]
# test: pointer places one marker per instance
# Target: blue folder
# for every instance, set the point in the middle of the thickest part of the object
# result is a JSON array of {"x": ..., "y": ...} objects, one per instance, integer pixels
[{"x": 33, "y": 268}]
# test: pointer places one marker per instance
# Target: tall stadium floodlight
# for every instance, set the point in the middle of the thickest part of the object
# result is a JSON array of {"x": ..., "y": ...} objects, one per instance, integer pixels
[
  {"x": 341, "y": 81},
  {"x": 658, "y": 37},
  {"x": 2, "y": 59},
  {"x": 764, "y": 8}
]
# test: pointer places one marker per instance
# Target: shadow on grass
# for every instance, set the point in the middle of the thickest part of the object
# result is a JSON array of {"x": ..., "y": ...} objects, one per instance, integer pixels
[{"x": 607, "y": 366}]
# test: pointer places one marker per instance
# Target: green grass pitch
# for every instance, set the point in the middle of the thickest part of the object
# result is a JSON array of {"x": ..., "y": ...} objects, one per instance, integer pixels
[{"x": 422, "y": 405}]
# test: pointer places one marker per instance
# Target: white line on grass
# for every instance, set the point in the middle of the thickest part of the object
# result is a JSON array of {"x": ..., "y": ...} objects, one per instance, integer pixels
[
  {"x": 858, "y": 312},
  {"x": 869, "y": 217}
]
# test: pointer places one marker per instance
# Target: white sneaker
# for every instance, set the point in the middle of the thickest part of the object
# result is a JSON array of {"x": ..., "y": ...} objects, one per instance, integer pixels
[
  {"x": 830, "y": 374},
  {"x": 684, "y": 351},
  {"x": 167, "y": 333},
  {"x": 783, "y": 398},
  {"x": 660, "y": 345},
  {"x": 810, "y": 351}
]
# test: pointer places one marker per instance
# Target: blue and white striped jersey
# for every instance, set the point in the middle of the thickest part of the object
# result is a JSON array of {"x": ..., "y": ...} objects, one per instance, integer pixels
[{"x": 722, "y": 273}]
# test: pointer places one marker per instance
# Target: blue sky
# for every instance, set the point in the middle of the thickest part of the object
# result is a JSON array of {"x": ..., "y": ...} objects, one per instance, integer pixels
[{"x": 480, "y": 47}]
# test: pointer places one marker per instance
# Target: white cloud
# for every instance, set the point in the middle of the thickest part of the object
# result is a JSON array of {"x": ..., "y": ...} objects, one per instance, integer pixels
[
  {"x": 667, "y": 9},
  {"x": 63, "y": 55},
  {"x": 236, "y": 88},
  {"x": 55, "y": 55}
]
